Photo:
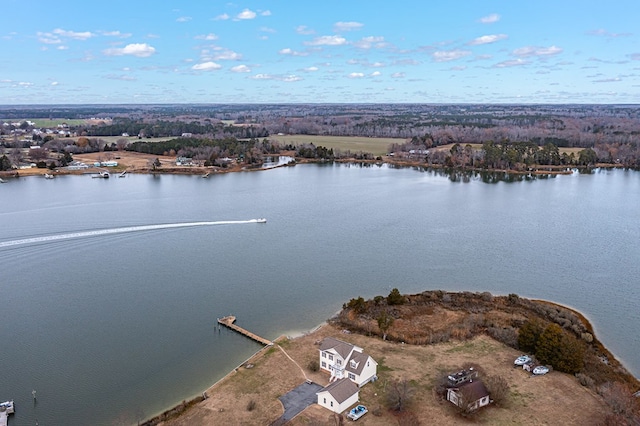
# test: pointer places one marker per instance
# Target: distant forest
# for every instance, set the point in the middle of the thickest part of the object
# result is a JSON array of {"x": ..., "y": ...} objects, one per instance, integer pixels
[{"x": 512, "y": 136}]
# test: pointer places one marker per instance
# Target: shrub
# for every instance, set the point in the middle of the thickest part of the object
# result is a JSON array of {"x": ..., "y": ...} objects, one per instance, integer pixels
[
  {"x": 313, "y": 365},
  {"x": 498, "y": 389},
  {"x": 251, "y": 405},
  {"x": 395, "y": 298}
]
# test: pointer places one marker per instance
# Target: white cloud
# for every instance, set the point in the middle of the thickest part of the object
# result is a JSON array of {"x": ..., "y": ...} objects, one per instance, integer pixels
[
  {"x": 376, "y": 74},
  {"x": 63, "y": 48},
  {"x": 369, "y": 42},
  {"x": 184, "y": 19},
  {"x": 54, "y": 83},
  {"x": 527, "y": 51},
  {"x": 490, "y": 19},
  {"x": 608, "y": 80},
  {"x": 398, "y": 75},
  {"x": 487, "y": 39},
  {"x": 291, "y": 78},
  {"x": 265, "y": 13},
  {"x": 208, "y": 37},
  {"x": 25, "y": 84},
  {"x": 48, "y": 38},
  {"x": 604, "y": 33},
  {"x": 241, "y": 68},
  {"x": 141, "y": 50},
  {"x": 122, "y": 77},
  {"x": 339, "y": 27},
  {"x": 449, "y": 55},
  {"x": 291, "y": 52},
  {"x": 327, "y": 41},
  {"x": 226, "y": 55},
  {"x": 115, "y": 34},
  {"x": 222, "y": 17},
  {"x": 511, "y": 63},
  {"x": 356, "y": 75},
  {"x": 310, "y": 69},
  {"x": 246, "y": 14},
  {"x": 73, "y": 34},
  {"x": 262, "y": 77},
  {"x": 304, "y": 30},
  {"x": 206, "y": 66}
]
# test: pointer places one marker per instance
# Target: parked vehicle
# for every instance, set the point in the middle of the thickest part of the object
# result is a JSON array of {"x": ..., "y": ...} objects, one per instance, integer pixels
[{"x": 357, "y": 412}]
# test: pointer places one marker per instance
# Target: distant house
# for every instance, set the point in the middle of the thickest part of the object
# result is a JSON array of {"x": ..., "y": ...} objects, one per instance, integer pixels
[
  {"x": 344, "y": 360},
  {"x": 184, "y": 161},
  {"x": 473, "y": 393},
  {"x": 77, "y": 165},
  {"x": 339, "y": 395},
  {"x": 186, "y": 135}
]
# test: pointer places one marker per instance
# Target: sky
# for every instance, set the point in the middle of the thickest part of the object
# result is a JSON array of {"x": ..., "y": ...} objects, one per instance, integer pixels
[{"x": 303, "y": 51}]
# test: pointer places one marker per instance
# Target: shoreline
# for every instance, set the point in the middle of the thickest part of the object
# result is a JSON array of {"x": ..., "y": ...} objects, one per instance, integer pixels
[
  {"x": 168, "y": 167},
  {"x": 176, "y": 411}
]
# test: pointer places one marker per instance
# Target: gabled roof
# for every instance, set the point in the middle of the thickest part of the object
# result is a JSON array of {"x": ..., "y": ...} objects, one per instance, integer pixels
[
  {"x": 342, "y": 348},
  {"x": 476, "y": 389},
  {"x": 341, "y": 390},
  {"x": 361, "y": 360}
]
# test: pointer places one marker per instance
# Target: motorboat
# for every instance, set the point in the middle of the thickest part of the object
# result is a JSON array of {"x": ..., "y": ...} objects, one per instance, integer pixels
[
  {"x": 103, "y": 175},
  {"x": 48, "y": 176},
  {"x": 522, "y": 360},
  {"x": 261, "y": 220},
  {"x": 356, "y": 412}
]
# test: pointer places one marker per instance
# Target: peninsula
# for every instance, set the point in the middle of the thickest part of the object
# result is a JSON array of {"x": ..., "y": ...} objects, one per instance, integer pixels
[{"x": 419, "y": 339}]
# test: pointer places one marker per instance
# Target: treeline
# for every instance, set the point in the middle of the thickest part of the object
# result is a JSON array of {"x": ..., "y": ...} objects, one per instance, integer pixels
[
  {"x": 515, "y": 155},
  {"x": 166, "y": 128},
  {"x": 210, "y": 151}
]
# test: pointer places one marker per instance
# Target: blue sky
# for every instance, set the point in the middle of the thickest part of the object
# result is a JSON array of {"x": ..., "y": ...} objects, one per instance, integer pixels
[{"x": 162, "y": 51}]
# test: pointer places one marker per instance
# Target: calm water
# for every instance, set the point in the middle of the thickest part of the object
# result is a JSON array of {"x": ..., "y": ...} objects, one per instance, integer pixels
[{"x": 111, "y": 328}]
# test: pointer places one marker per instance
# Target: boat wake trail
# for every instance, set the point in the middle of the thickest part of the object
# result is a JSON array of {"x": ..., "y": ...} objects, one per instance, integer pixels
[{"x": 123, "y": 230}]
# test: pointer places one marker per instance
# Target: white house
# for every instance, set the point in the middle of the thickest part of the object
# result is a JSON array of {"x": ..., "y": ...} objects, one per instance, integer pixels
[
  {"x": 339, "y": 395},
  {"x": 344, "y": 360},
  {"x": 474, "y": 393}
]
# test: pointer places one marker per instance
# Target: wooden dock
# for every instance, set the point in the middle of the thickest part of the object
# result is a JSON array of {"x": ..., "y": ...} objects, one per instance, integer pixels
[{"x": 229, "y": 322}]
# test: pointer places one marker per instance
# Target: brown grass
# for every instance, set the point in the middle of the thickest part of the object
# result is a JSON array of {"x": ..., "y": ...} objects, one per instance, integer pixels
[{"x": 556, "y": 398}]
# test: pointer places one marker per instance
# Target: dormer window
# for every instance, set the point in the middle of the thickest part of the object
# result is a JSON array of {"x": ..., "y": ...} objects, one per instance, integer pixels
[{"x": 353, "y": 364}]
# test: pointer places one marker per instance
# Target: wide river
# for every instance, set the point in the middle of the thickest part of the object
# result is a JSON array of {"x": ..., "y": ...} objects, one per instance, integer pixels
[{"x": 111, "y": 319}]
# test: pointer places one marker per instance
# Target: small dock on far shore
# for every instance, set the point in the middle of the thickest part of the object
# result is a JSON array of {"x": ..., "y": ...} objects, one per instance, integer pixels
[{"x": 228, "y": 321}]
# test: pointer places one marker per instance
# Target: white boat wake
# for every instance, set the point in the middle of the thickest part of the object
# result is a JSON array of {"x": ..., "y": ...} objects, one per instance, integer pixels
[{"x": 99, "y": 232}]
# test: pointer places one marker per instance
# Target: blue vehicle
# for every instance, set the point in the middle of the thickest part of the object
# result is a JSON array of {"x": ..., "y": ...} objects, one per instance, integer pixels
[{"x": 357, "y": 412}]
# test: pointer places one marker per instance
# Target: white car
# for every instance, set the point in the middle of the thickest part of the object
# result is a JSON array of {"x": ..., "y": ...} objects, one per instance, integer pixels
[{"x": 540, "y": 370}]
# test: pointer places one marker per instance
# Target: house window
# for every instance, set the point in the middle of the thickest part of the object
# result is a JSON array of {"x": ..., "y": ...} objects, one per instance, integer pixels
[
  {"x": 330, "y": 357},
  {"x": 332, "y": 403},
  {"x": 352, "y": 376},
  {"x": 324, "y": 400},
  {"x": 324, "y": 364},
  {"x": 324, "y": 354},
  {"x": 339, "y": 361}
]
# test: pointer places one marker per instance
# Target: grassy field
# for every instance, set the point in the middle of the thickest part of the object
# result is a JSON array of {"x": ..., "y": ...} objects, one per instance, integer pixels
[
  {"x": 45, "y": 122},
  {"x": 376, "y": 146}
]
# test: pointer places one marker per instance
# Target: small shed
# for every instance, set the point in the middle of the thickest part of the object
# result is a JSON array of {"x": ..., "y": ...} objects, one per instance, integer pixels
[{"x": 474, "y": 394}]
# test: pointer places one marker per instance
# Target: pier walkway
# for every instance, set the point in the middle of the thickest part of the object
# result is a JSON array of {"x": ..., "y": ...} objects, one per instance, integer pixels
[{"x": 229, "y": 322}]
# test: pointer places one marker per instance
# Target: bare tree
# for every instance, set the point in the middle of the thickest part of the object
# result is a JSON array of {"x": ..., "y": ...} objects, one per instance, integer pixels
[{"x": 399, "y": 394}]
